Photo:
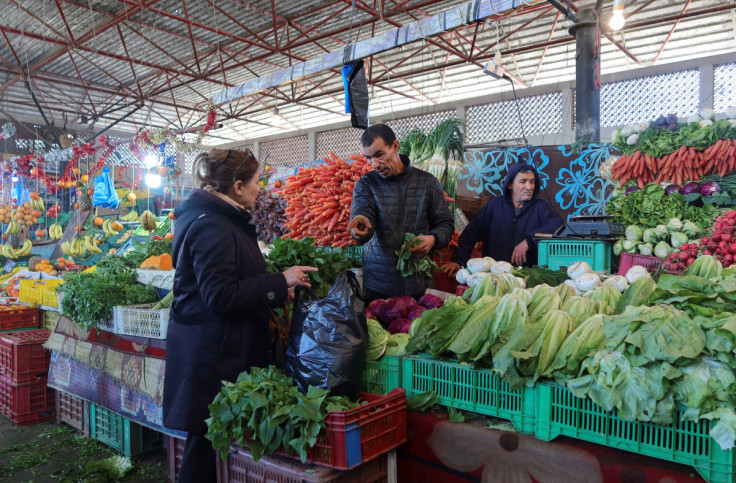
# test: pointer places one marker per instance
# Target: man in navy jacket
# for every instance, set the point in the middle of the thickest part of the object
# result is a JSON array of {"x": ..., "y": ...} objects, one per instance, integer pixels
[{"x": 506, "y": 225}]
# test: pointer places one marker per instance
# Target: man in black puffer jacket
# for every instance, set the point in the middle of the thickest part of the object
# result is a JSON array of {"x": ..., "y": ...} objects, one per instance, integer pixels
[{"x": 389, "y": 202}]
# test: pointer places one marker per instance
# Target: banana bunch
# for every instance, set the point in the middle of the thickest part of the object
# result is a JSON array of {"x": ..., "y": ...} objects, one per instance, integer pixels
[
  {"x": 13, "y": 228},
  {"x": 132, "y": 215},
  {"x": 38, "y": 204},
  {"x": 80, "y": 246},
  {"x": 9, "y": 252},
  {"x": 107, "y": 227},
  {"x": 148, "y": 221},
  {"x": 56, "y": 232}
]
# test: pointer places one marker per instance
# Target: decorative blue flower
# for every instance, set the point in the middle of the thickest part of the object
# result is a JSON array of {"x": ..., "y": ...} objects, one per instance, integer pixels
[
  {"x": 486, "y": 170},
  {"x": 582, "y": 188}
]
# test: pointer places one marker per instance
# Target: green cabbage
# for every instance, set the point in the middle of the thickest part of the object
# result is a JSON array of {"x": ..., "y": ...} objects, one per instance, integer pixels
[
  {"x": 677, "y": 239},
  {"x": 646, "y": 249},
  {"x": 618, "y": 247},
  {"x": 674, "y": 224},
  {"x": 690, "y": 229},
  {"x": 377, "y": 340},
  {"x": 650, "y": 236},
  {"x": 396, "y": 345},
  {"x": 634, "y": 233},
  {"x": 662, "y": 250}
]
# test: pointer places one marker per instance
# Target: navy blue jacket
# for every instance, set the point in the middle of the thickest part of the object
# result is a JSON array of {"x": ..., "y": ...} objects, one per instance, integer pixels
[
  {"x": 218, "y": 323},
  {"x": 500, "y": 231}
]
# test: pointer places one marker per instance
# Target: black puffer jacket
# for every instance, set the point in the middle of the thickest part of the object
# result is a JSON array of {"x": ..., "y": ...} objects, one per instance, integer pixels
[
  {"x": 410, "y": 202},
  {"x": 218, "y": 324}
]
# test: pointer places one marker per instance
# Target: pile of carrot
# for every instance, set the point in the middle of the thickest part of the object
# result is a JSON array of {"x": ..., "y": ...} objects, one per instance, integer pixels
[
  {"x": 685, "y": 164},
  {"x": 320, "y": 197}
]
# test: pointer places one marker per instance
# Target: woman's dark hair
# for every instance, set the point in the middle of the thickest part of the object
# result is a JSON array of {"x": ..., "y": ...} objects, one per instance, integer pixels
[
  {"x": 378, "y": 131},
  {"x": 221, "y": 168}
]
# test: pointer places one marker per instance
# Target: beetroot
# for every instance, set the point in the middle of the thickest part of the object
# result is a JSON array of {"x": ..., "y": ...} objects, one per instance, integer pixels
[
  {"x": 431, "y": 301},
  {"x": 399, "y": 326},
  {"x": 416, "y": 312}
]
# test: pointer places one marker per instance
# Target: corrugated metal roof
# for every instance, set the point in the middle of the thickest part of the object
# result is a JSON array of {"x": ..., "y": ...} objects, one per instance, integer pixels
[{"x": 122, "y": 54}]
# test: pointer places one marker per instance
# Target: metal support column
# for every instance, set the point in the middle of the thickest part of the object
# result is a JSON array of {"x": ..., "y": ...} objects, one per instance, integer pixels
[{"x": 587, "y": 76}]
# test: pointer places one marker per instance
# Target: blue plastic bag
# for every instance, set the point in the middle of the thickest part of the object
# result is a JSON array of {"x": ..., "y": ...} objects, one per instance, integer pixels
[
  {"x": 105, "y": 195},
  {"x": 20, "y": 193}
]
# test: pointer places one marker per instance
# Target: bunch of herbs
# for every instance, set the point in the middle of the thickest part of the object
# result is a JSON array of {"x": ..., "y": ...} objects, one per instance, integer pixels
[
  {"x": 409, "y": 264},
  {"x": 266, "y": 411}
]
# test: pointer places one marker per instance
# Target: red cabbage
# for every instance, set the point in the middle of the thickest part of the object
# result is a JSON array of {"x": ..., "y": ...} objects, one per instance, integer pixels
[
  {"x": 710, "y": 188},
  {"x": 631, "y": 189},
  {"x": 691, "y": 187},
  {"x": 395, "y": 308},
  {"x": 399, "y": 326},
  {"x": 431, "y": 301},
  {"x": 416, "y": 312},
  {"x": 373, "y": 309},
  {"x": 672, "y": 188}
]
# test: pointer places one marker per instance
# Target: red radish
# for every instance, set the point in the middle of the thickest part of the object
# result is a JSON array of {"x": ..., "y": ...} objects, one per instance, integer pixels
[
  {"x": 707, "y": 252},
  {"x": 690, "y": 261}
]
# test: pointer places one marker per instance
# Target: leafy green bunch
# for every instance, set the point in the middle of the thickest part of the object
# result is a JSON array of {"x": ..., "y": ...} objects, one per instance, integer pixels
[
  {"x": 660, "y": 142},
  {"x": 409, "y": 264},
  {"x": 266, "y": 411}
]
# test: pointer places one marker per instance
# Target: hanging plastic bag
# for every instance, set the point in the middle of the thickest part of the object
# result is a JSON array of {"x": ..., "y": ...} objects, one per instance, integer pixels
[
  {"x": 328, "y": 339},
  {"x": 19, "y": 193},
  {"x": 105, "y": 195}
]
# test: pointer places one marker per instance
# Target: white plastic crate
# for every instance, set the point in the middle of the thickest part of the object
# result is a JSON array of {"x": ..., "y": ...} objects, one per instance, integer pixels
[
  {"x": 108, "y": 325},
  {"x": 141, "y": 321}
]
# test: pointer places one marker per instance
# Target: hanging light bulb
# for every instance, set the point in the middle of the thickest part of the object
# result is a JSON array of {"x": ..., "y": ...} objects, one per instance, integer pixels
[
  {"x": 617, "y": 20},
  {"x": 153, "y": 180},
  {"x": 15, "y": 178}
]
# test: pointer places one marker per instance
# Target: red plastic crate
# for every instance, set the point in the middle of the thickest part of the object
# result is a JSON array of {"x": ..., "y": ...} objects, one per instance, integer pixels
[
  {"x": 19, "y": 319},
  {"x": 22, "y": 355},
  {"x": 241, "y": 468},
  {"x": 444, "y": 255},
  {"x": 26, "y": 403},
  {"x": 73, "y": 411},
  {"x": 628, "y": 260},
  {"x": 174, "y": 453},
  {"x": 461, "y": 290},
  {"x": 359, "y": 435}
]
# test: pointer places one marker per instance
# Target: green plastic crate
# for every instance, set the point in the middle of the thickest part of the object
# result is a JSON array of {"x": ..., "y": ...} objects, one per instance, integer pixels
[
  {"x": 380, "y": 377},
  {"x": 122, "y": 434},
  {"x": 461, "y": 387},
  {"x": 557, "y": 254},
  {"x": 561, "y": 413}
]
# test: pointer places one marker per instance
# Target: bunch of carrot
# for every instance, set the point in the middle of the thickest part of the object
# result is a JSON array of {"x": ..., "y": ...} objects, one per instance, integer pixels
[
  {"x": 320, "y": 197},
  {"x": 685, "y": 164}
]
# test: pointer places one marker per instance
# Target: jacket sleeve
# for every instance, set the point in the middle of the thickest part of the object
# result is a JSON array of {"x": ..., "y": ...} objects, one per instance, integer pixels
[
  {"x": 220, "y": 287},
  {"x": 364, "y": 204},
  {"x": 548, "y": 221},
  {"x": 441, "y": 221},
  {"x": 471, "y": 235}
]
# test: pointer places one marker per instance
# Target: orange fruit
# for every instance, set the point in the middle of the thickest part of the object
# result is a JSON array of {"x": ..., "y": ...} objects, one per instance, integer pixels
[
  {"x": 34, "y": 195},
  {"x": 278, "y": 184},
  {"x": 131, "y": 196},
  {"x": 5, "y": 237},
  {"x": 60, "y": 183},
  {"x": 89, "y": 192},
  {"x": 77, "y": 227},
  {"x": 76, "y": 205},
  {"x": 99, "y": 221},
  {"x": 84, "y": 178},
  {"x": 74, "y": 183},
  {"x": 171, "y": 215},
  {"x": 75, "y": 170},
  {"x": 40, "y": 233}
]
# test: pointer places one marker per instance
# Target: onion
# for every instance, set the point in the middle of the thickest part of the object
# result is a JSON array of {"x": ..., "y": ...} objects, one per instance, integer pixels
[
  {"x": 709, "y": 188},
  {"x": 691, "y": 187},
  {"x": 672, "y": 188},
  {"x": 631, "y": 189}
]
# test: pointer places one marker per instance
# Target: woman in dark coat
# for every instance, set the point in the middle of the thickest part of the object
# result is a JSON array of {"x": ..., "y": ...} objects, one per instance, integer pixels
[{"x": 219, "y": 318}]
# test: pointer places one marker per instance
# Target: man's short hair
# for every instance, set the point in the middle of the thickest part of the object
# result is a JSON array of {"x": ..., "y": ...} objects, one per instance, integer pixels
[{"x": 378, "y": 131}]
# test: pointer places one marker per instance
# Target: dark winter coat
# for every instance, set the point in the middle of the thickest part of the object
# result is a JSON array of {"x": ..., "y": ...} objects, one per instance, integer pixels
[
  {"x": 497, "y": 227},
  {"x": 410, "y": 202},
  {"x": 218, "y": 324}
]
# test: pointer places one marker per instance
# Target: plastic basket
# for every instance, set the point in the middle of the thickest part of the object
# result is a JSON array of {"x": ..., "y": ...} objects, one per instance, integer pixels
[
  {"x": 557, "y": 254},
  {"x": 26, "y": 402},
  {"x": 30, "y": 292},
  {"x": 49, "y": 297},
  {"x": 19, "y": 319},
  {"x": 561, "y": 413},
  {"x": 73, "y": 411},
  {"x": 141, "y": 321},
  {"x": 22, "y": 355},
  {"x": 120, "y": 433},
  {"x": 460, "y": 290},
  {"x": 174, "y": 455},
  {"x": 380, "y": 377},
  {"x": 628, "y": 260},
  {"x": 49, "y": 318},
  {"x": 462, "y": 387},
  {"x": 359, "y": 435},
  {"x": 239, "y": 467}
]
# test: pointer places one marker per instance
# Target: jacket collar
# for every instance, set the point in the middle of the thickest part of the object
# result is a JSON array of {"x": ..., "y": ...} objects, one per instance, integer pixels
[{"x": 203, "y": 202}]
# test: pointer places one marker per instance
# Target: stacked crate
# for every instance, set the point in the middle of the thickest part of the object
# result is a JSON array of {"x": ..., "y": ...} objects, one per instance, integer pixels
[{"x": 24, "y": 367}]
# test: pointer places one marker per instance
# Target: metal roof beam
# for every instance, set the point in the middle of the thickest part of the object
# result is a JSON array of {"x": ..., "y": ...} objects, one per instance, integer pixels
[{"x": 428, "y": 27}]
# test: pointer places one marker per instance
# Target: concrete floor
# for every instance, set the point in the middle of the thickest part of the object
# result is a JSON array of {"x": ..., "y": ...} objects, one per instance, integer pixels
[{"x": 52, "y": 452}]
